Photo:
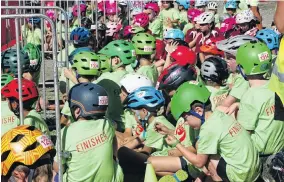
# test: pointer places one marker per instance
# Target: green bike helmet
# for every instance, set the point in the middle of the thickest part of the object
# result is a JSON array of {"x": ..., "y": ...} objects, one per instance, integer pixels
[
  {"x": 122, "y": 49},
  {"x": 105, "y": 63},
  {"x": 254, "y": 58},
  {"x": 137, "y": 29},
  {"x": 34, "y": 56},
  {"x": 86, "y": 63},
  {"x": 5, "y": 79},
  {"x": 9, "y": 62},
  {"x": 186, "y": 95},
  {"x": 144, "y": 43}
]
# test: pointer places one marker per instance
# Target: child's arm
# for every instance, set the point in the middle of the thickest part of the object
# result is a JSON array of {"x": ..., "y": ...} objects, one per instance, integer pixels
[{"x": 69, "y": 75}]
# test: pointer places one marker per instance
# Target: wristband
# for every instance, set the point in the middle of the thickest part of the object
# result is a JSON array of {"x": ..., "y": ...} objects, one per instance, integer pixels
[{"x": 175, "y": 144}]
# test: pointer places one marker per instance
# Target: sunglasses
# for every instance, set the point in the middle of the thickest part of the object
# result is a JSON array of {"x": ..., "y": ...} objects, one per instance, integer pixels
[{"x": 203, "y": 24}]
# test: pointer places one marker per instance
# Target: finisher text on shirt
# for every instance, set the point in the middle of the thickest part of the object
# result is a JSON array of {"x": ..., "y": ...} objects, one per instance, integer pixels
[
  {"x": 8, "y": 119},
  {"x": 91, "y": 142}
]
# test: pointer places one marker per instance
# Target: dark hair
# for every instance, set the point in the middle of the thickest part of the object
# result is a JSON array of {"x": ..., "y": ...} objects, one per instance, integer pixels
[
  {"x": 207, "y": 108},
  {"x": 256, "y": 77}
]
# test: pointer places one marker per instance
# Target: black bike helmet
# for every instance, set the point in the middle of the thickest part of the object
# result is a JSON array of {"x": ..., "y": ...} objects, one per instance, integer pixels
[{"x": 214, "y": 69}]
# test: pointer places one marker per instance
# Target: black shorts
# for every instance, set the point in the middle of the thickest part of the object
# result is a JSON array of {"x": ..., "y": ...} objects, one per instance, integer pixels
[
  {"x": 183, "y": 164},
  {"x": 221, "y": 170}
]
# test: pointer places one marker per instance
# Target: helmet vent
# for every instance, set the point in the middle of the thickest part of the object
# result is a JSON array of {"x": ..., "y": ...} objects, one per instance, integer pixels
[
  {"x": 32, "y": 146},
  {"x": 17, "y": 138},
  {"x": 5, "y": 155},
  {"x": 91, "y": 89},
  {"x": 84, "y": 60},
  {"x": 31, "y": 128}
]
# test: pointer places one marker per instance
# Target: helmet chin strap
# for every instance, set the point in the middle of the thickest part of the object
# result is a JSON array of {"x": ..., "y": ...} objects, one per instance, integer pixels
[
  {"x": 242, "y": 73},
  {"x": 143, "y": 121},
  {"x": 201, "y": 117}
]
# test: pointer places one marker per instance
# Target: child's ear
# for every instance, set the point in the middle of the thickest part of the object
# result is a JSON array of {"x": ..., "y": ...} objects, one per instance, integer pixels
[
  {"x": 77, "y": 111},
  {"x": 199, "y": 110}
]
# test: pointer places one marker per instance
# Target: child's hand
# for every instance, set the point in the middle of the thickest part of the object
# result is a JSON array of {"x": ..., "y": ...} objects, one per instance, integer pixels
[
  {"x": 233, "y": 108},
  {"x": 171, "y": 47},
  {"x": 161, "y": 128},
  {"x": 68, "y": 73},
  {"x": 169, "y": 23},
  {"x": 172, "y": 141}
]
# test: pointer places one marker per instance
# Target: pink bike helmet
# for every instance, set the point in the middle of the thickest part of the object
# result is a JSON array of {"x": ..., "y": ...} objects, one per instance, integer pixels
[
  {"x": 193, "y": 13},
  {"x": 153, "y": 6},
  {"x": 47, "y": 24},
  {"x": 111, "y": 8},
  {"x": 228, "y": 24},
  {"x": 141, "y": 19},
  {"x": 111, "y": 28},
  {"x": 127, "y": 31},
  {"x": 51, "y": 14},
  {"x": 83, "y": 9},
  {"x": 49, "y": 3}
]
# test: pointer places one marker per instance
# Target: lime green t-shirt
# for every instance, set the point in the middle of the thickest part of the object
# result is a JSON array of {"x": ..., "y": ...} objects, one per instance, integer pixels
[
  {"x": 67, "y": 112},
  {"x": 129, "y": 69},
  {"x": 150, "y": 71},
  {"x": 90, "y": 144},
  {"x": 129, "y": 121},
  {"x": 183, "y": 17},
  {"x": 222, "y": 135},
  {"x": 111, "y": 83},
  {"x": 35, "y": 119},
  {"x": 34, "y": 37},
  {"x": 187, "y": 137},
  {"x": 256, "y": 113},
  {"x": 156, "y": 27},
  {"x": 238, "y": 85},
  {"x": 217, "y": 95},
  {"x": 217, "y": 20},
  {"x": 187, "y": 27},
  {"x": 172, "y": 14},
  {"x": 156, "y": 140},
  {"x": 9, "y": 120}
]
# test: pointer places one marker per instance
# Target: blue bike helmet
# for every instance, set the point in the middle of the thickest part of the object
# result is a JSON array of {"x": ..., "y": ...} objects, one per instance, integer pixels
[
  {"x": 184, "y": 3},
  {"x": 268, "y": 36},
  {"x": 80, "y": 35},
  {"x": 78, "y": 50},
  {"x": 34, "y": 20},
  {"x": 145, "y": 97},
  {"x": 174, "y": 34},
  {"x": 231, "y": 4},
  {"x": 91, "y": 98}
]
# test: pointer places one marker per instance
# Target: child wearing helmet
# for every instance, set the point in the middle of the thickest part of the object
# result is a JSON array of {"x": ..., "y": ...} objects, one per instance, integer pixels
[
  {"x": 33, "y": 31},
  {"x": 246, "y": 23},
  {"x": 214, "y": 72},
  {"x": 122, "y": 53},
  {"x": 30, "y": 96},
  {"x": 169, "y": 16},
  {"x": 207, "y": 29},
  {"x": 222, "y": 141},
  {"x": 85, "y": 68},
  {"x": 236, "y": 82},
  {"x": 155, "y": 25},
  {"x": 270, "y": 38},
  {"x": 191, "y": 14},
  {"x": 145, "y": 103},
  {"x": 21, "y": 161},
  {"x": 183, "y": 6},
  {"x": 213, "y": 7},
  {"x": 201, "y": 5},
  {"x": 228, "y": 28},
  {"x": 145, "y": 45},
  {"x": 194, "y": 31},
  {"x": 129, "y": 83},
  {"x": 9, "y": 120},
  {"x": 256, "y": 109},
  {"x": 85, "y": 161},
  {"x": 75, "y": 13}
]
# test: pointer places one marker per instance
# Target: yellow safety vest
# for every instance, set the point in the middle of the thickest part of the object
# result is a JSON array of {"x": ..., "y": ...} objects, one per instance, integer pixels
[{"x": 277, "y": 78}]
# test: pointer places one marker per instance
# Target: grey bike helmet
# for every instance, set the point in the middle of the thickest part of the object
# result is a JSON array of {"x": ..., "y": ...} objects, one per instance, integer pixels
[{"x": 232, "y": 44}]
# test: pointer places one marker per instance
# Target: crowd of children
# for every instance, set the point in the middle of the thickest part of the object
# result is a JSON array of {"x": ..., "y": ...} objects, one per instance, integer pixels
[{"x": 174, "y": 85}]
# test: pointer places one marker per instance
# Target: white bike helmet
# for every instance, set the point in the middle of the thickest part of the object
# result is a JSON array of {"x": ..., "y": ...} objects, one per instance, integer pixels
[
  {"x": 133, "y": 81},
  {"x": 199, "y": 3},
  {"x": 206, "y": 17},
  {"x": 245, "y": 16},
  {"x": 212, "y": 5},
  {"x": 232, "y": 44}
]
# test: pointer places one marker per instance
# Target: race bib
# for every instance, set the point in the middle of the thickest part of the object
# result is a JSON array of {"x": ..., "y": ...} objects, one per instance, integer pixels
[
  {"x": 94, "y": 65},
  {"x": 103, "y": 100},
  {"x": 33, "y": 62},
  {"x": 44, "y": 141},
  {"x": 263, "y": 56},
  {"x": 148, "y": 48}
]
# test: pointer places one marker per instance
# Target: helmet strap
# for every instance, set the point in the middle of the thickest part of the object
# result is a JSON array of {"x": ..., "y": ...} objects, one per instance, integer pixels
[
  {"x": 242, "y": 73},
  {"x": 143, "y": 122},
  {"x": 201, "y": 117}
]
